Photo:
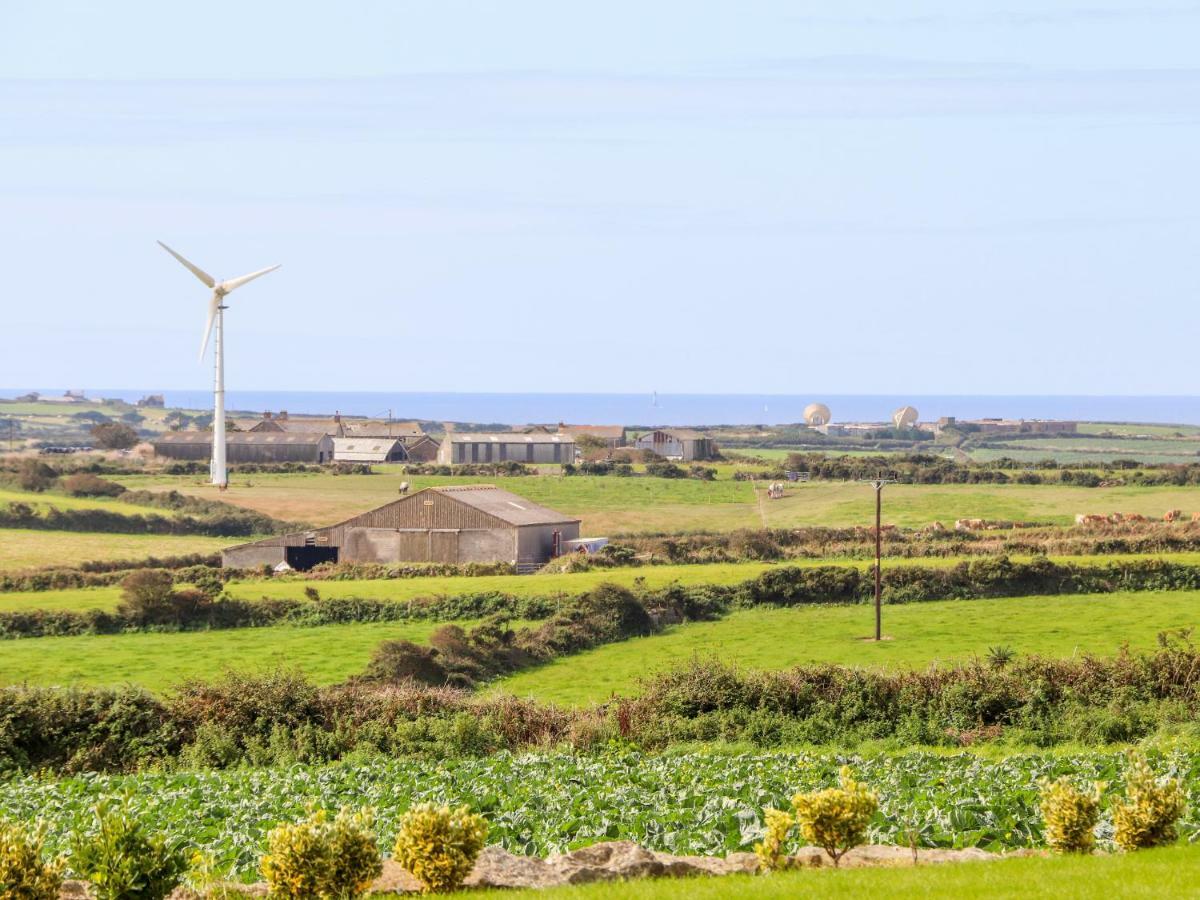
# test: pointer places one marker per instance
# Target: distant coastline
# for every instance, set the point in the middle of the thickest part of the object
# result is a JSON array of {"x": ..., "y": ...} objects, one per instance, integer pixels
[{"x": 671, "y": 409}]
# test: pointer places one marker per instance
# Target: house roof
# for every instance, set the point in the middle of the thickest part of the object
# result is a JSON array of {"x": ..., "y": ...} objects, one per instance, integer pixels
[
  {"x": 320, "y": 426},
  {"x": 507, "y": 437},
  {"x": 370, "y": 428},
  {"x": 504, "y": 505}
]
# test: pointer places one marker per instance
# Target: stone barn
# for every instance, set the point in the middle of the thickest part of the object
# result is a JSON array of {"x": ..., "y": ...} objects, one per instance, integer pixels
[
  {"x": 677, "y": 443},
  {"x": 247, "y": 446},
  {"x": 456, "y": 524}
]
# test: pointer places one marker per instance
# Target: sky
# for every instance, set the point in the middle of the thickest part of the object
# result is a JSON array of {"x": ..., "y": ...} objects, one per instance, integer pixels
[{"x": 696, "y": 197}]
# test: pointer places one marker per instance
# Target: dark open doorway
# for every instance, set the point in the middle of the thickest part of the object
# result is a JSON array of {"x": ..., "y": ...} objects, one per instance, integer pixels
[{"x": 304, "y": 558}]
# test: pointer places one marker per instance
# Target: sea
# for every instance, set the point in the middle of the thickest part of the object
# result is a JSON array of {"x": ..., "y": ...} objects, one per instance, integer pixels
[{"x": 653, "y": 409}]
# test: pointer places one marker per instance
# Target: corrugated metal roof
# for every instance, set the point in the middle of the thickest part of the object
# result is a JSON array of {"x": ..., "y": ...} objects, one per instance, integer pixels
[
  {"x": 605, "y": 431},
  {"x": 239, "y": 437},
  {"x": 380, "y": 429},
  {"x": 506, "y": 437},
  {"x": 502, "y": 504},
  {"x": 361, "y": 449},
  {"x": 680, "y": 434}
]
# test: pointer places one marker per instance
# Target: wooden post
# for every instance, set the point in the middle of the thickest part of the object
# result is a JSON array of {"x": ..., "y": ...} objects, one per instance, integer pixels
[{"x": 878, "y": 561}]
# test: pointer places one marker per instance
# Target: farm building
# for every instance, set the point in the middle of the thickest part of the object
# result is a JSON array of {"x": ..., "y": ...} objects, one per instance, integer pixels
[
  {"x": 368, "y": 450},
  {"x": 461, "y": 447},
  {"x": 247, "y": 446},
  {"x": 678, "y": 443},
  {"x": 458, "y": 524},
  {"x": 304, "y": 425},
  {"x": 418, "y": 446},
  {"x": 612, "y": 435}
]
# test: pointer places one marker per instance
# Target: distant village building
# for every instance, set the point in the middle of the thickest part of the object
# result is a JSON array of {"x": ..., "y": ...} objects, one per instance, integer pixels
[
  {"x": 459, "y": 524},
  {"x": 612, "y": 435},
  {"x": 247, "y": 446},
  {"x": 464, "y": 447},
  {"x": 1009, "y": 426},
  {"x": 68, "y": 397},
  {"x": 156, "y": 401},
  {"x": 301, "y": 424},
  {"x": 677, "y": 443}
]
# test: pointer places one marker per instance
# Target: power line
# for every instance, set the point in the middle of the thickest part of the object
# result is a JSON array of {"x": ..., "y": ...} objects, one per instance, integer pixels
[{"x": 878, "y": 484}]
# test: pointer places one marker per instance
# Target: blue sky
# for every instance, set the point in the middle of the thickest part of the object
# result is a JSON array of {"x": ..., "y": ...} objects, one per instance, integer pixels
[{"x": 685, "y": 197}]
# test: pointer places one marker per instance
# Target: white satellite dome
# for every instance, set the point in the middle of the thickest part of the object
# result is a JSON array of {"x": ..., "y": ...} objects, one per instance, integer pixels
[
  {"x": 817, "y": 414},
  {"x": 905, "y": 417}
]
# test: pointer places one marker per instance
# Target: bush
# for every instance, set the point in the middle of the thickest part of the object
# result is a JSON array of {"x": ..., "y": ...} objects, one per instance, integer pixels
[
  {"x": 665, "y": 469},
  {"x": 85, "y": 484},
  {"x": 1148, "y": 815},
  {"x": 439, "y": 845},
  {"x": 146, "y": 595},
  {"x": 319, "y": 858},
  {"x": 122, "y": 860},
  {"x": 114, "y": 436},
  {"x": 1070, "y": 815},
  {"x": 770, "y": 851},
  {"x": 35, "y": 476},
  {"x": 24, "y": 875},
  {"x": 836, "y": 819}
]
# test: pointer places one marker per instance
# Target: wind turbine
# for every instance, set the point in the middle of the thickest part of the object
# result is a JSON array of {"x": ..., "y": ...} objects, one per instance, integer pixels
[{"x": 216, "y": 314}]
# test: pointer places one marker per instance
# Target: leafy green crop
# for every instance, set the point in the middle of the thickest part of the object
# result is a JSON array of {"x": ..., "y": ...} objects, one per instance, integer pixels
[{"x": 702, "y": 802}]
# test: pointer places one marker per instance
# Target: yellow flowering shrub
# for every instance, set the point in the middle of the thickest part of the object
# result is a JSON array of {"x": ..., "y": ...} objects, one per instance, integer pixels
[
  {"x": 24, "y": 874},
  {"x": 439, "y": 845},
  {"x": 322, "y": 858},
  {"x": 1070, "y": 815},
  {"x": 770, "y": 852},
  {"x": 836, "y": 819},
  {"x": 1148, "y": 814}
]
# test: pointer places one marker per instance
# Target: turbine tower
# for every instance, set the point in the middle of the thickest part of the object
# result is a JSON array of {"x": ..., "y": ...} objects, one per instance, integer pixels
[{"x": 216, "y": 315}]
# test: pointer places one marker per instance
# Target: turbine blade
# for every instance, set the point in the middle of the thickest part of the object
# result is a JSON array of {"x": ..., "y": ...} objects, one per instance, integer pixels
[
  {"x": 195, "y": 270},
  {"x": 233, "y": 283},
  {"x": 213, "y": 305}
]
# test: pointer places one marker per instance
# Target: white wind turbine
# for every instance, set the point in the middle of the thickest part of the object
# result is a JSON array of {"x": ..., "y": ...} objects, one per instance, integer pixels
[{"x": 216, "y": 310}]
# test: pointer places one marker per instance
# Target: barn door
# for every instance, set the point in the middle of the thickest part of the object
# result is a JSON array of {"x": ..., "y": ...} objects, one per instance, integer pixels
[{"x": 443, "y": 546}]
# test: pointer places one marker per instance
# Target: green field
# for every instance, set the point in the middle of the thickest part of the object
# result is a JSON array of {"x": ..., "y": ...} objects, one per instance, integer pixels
[
  {"x": 33, "y": 549},
  {"x": 917, "y": 634},
  {"x": 41, "y": 502},
  {"x": 157, "y": 661},
  {"x": 611, "y": 505},
  {"x": 1149, "y": 875},
  {"x": 524, "y": 585}
]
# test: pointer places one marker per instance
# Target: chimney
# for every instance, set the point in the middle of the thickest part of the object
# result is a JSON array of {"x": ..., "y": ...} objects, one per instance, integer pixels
[
  {"x": 267, "y": 415},
  {"x": 283, "y": 415},
  {"x": 337, "y": 417}
]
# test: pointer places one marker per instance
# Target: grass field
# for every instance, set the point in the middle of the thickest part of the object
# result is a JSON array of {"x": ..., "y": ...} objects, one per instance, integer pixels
[
  {"x": 610, "y": 505},
  {"x": 516, "y": 585},
  {"x": 43, "y": 501},
  {"x": 916, "y": 635},
  {"x": 1170, "y": 872},
  {"x": 920, "y": 633},
  {"x": 160, "y": 660},
  {"x": 28, "y": 548}
]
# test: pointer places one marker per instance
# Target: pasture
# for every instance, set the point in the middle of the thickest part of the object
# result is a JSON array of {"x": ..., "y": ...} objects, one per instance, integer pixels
[
  {"x": 22, "y": 548},
  {"x": 612, "y": 506},
  {"x": 916, "y": 635}
]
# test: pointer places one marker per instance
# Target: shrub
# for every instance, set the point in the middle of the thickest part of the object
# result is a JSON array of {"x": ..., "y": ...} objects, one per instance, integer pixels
[
  {"x": 85, "y": 484},
  {"x": 24, "y": 875},
  {"x": 665, "y": 469},
  {"x": 35, "y": 476},
  {"x": 114, "y": 436},
  {"x": 836, "y": 819},
  {"x": 121, "y": 859},
  {"x": 320, "y": 858},
  {"x": 146, "y": 595},
  {"x": 1070, "y": 815},
  {"x": 770, "y": 852},
  {"x": 1148, "y": 815},
  {"x": 439, "y": 845}
]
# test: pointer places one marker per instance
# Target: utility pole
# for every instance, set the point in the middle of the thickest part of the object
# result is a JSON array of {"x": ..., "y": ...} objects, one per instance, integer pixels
[{"x": 878, "y": 484}]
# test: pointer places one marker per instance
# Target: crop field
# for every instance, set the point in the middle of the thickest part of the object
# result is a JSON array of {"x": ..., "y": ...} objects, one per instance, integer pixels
[
  {"x": 611, "y": 505},
  {"x": 708, "y": 803},
  {"x": 30, "y": 548},
  {"x": 1086, "y": 457},
  {"x": 916, "y": 635}
]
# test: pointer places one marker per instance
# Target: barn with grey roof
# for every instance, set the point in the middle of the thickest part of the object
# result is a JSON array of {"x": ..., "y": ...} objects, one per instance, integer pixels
[{"x": 453, "y": 524}]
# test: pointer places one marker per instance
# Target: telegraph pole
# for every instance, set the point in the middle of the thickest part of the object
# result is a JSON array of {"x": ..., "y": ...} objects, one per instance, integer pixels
[{"x": 878, "y": 484}]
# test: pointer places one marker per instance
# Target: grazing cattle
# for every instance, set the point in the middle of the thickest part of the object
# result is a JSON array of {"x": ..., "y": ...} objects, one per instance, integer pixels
[
  {"x": 1090, "y": 519},
  {"x": 968, "y": 524},
  {"x": 1196, "y": 517},
  {"x": 1172, "y": 515},
  {"x": 933, "y": 528},
  {"x": 1135, "y": 517}
]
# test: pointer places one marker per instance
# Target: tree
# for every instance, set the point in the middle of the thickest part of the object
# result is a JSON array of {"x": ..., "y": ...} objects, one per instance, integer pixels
[
  {"x": 35, "y": 475},
  {"x": 114, "y": 436}
]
